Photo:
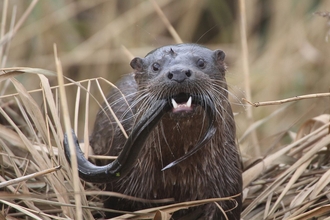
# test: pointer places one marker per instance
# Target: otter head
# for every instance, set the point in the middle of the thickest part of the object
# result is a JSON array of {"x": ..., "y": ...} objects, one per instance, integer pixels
[{"x": 186, "y": 75}]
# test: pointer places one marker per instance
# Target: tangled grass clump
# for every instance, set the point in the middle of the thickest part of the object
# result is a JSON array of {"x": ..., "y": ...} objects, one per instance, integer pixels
[{"x": 291, "y": 182}]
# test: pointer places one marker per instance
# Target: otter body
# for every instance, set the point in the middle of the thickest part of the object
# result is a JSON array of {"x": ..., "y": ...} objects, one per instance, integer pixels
[{"x": 176, "y": 73}]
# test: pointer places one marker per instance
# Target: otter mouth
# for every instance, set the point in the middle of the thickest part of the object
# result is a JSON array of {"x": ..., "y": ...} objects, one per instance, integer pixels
[
  {"x": 182, "y": 102},
  {"x": 127, "y": 159}
]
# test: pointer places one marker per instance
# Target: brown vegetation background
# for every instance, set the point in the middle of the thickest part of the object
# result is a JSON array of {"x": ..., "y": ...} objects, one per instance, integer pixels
[
  {"x": 288, "y": 56},
  {"x": 288, "y": 46}
]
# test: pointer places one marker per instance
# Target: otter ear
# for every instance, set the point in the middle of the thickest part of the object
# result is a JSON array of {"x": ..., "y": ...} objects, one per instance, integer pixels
[
  {"x": 219, "y": 55},
  {"x": 137, "y": 64}
]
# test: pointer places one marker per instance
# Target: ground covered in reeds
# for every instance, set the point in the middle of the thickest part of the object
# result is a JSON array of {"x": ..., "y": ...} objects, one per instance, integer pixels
[{"x": 283, "y": 54}]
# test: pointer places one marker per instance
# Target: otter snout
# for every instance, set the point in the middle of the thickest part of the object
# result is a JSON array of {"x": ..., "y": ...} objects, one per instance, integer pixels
[{"x": 179, "y": 75}]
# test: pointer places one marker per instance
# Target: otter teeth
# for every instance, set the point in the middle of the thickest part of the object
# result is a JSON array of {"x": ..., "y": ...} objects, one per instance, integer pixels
[
  {"x": 189, "y": 102},
  {"x": 175, "y": 105},
  {"x": 181, "y": 105}
]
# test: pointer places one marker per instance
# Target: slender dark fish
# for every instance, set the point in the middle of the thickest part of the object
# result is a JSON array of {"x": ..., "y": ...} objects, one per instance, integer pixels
[{"x": 127, "y": 158}]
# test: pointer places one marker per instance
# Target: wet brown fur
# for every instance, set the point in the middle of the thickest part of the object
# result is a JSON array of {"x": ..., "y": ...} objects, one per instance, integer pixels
[{"x": 212, "y": 172}]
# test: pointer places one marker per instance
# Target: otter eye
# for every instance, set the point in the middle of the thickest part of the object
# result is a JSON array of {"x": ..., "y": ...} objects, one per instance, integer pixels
[
  {"x": 155, "y": 67},
  {"x": 201, "y": 63}
]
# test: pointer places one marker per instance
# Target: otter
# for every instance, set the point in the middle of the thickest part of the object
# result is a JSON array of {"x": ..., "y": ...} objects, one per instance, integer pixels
[{"x": 181, "y": 142}]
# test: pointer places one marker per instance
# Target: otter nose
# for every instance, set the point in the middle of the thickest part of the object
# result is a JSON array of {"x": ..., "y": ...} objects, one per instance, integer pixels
[{"x": 179, "y": 75}]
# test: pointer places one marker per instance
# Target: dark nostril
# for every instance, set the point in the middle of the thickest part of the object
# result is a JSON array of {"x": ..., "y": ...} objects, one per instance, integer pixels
[{"x": 188, "y": 73}]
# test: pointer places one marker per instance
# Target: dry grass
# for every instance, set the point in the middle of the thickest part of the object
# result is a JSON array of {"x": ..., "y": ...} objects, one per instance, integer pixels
[{"x": 287, "y": 57}]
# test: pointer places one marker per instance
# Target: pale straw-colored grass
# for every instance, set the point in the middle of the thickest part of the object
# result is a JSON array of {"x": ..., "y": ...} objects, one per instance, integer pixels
[{"x": 287, "y": 179}]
